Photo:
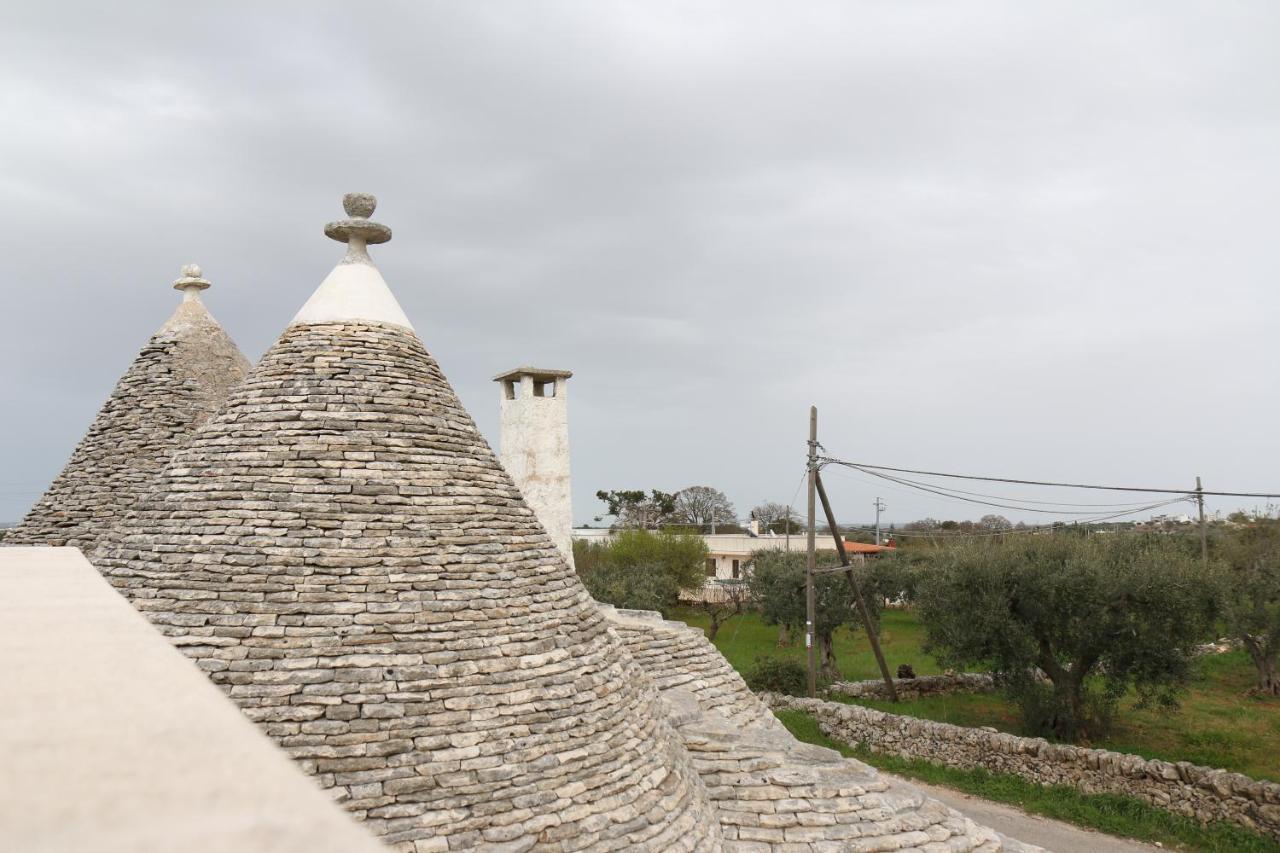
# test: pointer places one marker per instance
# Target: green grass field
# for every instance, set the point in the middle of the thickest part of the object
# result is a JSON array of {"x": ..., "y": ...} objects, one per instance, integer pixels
[
  {"x": 746, "y": 637},
  {"x": 1218, "y": 725}
]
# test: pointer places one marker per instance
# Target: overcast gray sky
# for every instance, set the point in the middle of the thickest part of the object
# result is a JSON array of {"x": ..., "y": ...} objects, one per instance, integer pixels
[{"x": 1033, "y": 240}]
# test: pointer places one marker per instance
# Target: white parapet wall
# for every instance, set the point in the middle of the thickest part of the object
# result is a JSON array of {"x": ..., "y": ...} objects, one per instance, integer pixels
[{"x": 113, "y": 741}]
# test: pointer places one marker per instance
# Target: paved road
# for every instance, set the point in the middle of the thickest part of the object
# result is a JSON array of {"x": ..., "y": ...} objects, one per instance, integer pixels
[{"x": 1050, "y": 834}]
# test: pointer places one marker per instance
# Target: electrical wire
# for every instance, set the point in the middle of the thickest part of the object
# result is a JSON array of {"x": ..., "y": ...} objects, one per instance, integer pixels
[
  {"x": 1018, "y": 500},
  {"x": 843, "y": 474},
  {"x": 1027, "y": 529},
  {"x": 863, "y": 466},
  {"x": 1000, "y": 505},
  {"x": 1093, "y": 516},
  {"x": 848, "y": 474}
]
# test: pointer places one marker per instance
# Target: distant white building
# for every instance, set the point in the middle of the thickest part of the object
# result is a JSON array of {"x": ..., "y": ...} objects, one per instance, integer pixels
[{"x": 1181, "y": 518}]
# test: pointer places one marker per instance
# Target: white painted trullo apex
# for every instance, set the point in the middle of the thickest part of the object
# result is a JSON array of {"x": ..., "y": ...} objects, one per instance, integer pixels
[
  {"x": 535, "y": 446},
  {"x": 354, "y": 290}
]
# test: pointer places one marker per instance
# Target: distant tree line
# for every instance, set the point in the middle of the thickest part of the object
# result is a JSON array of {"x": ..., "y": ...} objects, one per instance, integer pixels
[{"x": 702, "y": 509}]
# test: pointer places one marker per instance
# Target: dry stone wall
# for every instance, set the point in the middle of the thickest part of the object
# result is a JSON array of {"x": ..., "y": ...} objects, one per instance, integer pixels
[
  {"x": 176, "y": 382},
  {"x": 772, "y": 793},
  {"x": 1180, "y": 787},
  {"x": 339, "y": 549},
  {"x": 914, "y": 688}
]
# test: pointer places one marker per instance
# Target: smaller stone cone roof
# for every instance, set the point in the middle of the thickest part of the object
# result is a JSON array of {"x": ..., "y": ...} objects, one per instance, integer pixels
[{"x": 178, "y": 379}]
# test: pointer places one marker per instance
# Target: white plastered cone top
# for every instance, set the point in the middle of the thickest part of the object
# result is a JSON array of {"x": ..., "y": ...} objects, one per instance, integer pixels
[{"x": 355, "y": 290}]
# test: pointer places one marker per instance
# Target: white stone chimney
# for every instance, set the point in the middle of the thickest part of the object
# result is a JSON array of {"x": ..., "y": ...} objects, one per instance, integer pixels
[{"x": 534, "y": 446}]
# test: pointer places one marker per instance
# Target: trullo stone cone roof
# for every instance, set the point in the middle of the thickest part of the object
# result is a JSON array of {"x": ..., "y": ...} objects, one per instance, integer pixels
[
  {"x": 178, "y": 379},
  {"x": 340, "y": 549}
]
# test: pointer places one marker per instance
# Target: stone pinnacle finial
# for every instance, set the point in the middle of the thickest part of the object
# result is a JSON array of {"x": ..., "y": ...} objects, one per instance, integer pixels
[
  {"x": 358, "y": 230},
  {"x": 191, "y": 282},
  {"x": 354, "y": 290}
]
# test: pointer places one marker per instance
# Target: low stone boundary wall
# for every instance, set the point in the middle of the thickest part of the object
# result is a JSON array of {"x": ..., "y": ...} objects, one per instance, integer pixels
[
  {"x": 1189, "y": 789},
  {"x": 914, "y": 688}
]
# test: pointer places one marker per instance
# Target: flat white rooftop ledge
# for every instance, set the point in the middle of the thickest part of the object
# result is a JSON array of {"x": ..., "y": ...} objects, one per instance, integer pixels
[{"x": 111, "y": 740}]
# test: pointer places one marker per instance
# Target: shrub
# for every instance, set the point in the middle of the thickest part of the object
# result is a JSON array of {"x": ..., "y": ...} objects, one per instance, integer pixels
[
  {"x": 778, "y": 675},
  {"x": 639, "y": 570},
  {"x": 631, "y": 587}
]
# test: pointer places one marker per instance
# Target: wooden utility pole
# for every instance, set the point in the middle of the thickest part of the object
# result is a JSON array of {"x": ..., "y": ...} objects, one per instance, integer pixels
[
  {"x": 872, "y": 634},
  {"x": 812, "y": 555},
  {"x": 1204, "y": 534}
]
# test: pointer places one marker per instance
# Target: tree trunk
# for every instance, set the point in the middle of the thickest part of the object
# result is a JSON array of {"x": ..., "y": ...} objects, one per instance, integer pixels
[
  {"x": 1068, "y": 703},
  {"x": 1269, "y": 679},
  {"x": 1068, "y": 692},
  {"x": 713, "y": 629},
  {"x": 784, "y": 636},
  {"x": 1268, "y": 674},
  {"x": 827, "y": 655}
]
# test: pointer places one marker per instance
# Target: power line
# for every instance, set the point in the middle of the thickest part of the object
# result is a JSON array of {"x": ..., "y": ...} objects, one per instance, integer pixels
[
  {"x": 863, "y": 466},
  {"x": 1096, "y": 516},
  {"x": 1128, "y": 509},
  {"x": 959, "y": 496},
  {"x": 1019, "y": 500},
  {"x": 1029, "y": 529},
  {"x": 1019, "y": 507}
]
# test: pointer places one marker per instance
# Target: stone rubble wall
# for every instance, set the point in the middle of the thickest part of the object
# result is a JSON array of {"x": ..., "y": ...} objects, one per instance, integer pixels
[
  {"x": 915, "y": 688},
  {"x": 1180, "y": 787},
  {"x": 774, "y": 794}
]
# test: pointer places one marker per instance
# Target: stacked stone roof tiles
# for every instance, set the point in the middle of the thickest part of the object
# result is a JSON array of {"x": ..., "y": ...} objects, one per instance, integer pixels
[
  {"x": 339, "y": 549},
  {"x": 178, "y": 379},
  {"x": 771, "y": 792}
]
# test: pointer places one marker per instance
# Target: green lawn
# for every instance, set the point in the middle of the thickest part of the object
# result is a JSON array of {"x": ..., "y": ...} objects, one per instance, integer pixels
[
  {"x": 746, "y": 637},
  {"x": 1123, "y": 816},
  {"x": 1218, "y": 725}
]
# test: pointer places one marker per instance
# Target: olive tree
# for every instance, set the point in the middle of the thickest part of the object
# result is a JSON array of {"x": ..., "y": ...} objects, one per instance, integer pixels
[
  {"x": 722, "y": 602},
  {"x": 776, "y": 580},
  {"x": 1251, "y": 595},
  {"x": 1069, "y": 623}
]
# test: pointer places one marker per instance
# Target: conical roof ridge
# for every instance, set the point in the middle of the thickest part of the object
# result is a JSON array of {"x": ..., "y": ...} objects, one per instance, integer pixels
[
  {"x": 177, "y": 380},
  {"x": 340, "y": 549}
]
